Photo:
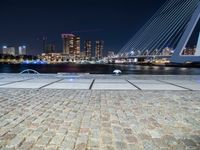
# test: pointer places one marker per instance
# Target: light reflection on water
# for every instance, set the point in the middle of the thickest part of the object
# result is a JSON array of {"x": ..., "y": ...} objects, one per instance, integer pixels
[{"x": 100, "y": 69}]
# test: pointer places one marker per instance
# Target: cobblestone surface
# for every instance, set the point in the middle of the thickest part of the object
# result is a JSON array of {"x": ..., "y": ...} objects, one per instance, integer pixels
[{"x": 99, "y": 120}]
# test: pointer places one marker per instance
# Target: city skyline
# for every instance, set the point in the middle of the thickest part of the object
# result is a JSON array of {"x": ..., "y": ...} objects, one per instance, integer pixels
[{"x": 114, "y": 22}]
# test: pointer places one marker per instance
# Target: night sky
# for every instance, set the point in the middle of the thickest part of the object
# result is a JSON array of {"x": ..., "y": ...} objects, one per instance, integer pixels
[{"x": 25, "y": 22}]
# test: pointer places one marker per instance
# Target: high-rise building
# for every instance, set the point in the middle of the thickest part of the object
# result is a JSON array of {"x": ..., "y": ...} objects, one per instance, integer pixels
[
  {"x": 77, "y": 47},
  {"x": 99, "y": 49},
  {"x": 22, "y": 50},
  {"x": 71, "y": 46},
  {"x": 68, "y": 43},
  {"x": 88, "y": 49},
  {"x": 8, "y": 50},
  {"x": 50, "y": 48}
]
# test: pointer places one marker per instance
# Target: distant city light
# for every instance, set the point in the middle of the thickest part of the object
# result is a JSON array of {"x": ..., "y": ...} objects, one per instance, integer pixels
[
  {"x": 4, "y": 46},
  {"x": 37, "y": 62}
]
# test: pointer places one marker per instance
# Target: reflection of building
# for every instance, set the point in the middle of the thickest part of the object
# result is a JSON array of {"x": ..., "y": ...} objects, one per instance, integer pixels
[
  {"x": 8, "y": 50},
  {"x": 99, "y": 49},
  {"x": 71, "y": 45},
  {"x": 22, "y": 50},
  {"x": 88, "y": 49}
]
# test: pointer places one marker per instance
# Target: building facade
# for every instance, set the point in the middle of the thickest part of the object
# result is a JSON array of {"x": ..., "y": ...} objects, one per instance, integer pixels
[
  {"x": 71, "y": 46},
  {"x": 9, "y": 50},
  {"x": 22, "y": 50},
  {"x": 99, "y": 49},
  {"x": 88, "y": 49},
  {"x": 77, "y": 47}
]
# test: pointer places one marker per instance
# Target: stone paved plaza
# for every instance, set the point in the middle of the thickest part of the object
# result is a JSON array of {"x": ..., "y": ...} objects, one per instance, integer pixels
[
  {"x": 51, "y": 119},
  {"x": 100, "y": 82},
  {"x": 86, "y": 119}
]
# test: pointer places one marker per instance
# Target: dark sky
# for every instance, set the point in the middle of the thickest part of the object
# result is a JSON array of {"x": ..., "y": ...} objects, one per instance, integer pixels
[{"x": 24, "y": 22}]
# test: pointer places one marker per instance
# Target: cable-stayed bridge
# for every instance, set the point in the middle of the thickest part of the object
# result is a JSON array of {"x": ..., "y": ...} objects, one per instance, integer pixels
[{"x": 169, "y": 33}]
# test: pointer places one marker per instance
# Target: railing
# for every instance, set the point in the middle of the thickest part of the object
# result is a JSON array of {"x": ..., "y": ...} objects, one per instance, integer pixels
[{"x": 29, "y": 71}]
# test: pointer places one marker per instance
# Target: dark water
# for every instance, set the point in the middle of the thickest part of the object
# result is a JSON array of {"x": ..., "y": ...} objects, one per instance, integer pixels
[{"x": 100, "y": 69}]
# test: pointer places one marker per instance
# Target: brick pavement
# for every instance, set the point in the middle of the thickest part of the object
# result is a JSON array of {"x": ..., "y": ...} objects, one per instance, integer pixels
[{"x": 50, "y": 119}]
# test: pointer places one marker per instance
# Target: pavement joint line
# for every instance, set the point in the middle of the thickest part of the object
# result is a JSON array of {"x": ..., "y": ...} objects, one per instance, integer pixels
[
  {"x": 175, "y": 85},
  {"x": 134, "y": 85},
  {"x": 15, "y": 82},
  {"x": 50, "y": 83},
  {"x": 91, "y": 85}
]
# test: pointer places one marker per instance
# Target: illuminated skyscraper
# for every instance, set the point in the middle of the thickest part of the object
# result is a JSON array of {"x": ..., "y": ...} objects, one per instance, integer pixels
[
  {"x": 68, "y": 43},
  {"x": 71, "y": 45},
  {"x": 8, "y": 50},
  {"x": 22, "y": 50},
  {"x": 88, "y": 49},
  {"x": 99, "y": 49},
  {"x": 77, "y": 45}
]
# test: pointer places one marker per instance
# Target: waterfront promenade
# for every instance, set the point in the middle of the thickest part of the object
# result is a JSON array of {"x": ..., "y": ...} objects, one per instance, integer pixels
[{"x": 99, "y": 112}]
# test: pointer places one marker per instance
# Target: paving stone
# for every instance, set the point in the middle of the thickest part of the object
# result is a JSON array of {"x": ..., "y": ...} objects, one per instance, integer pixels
[
  {"x": 106, "y": 140},
  {"x": 131, "y": 139},
  {"x": 93, "y": 143},
  {"x": 81, "y": 146},
  {"x": 134, "y": 147},
  {"x": 37, "y": 148},
  {"x": 67, "y": 144},
  {"x": 8, "y": 136},
  {"x": 127, "y": 131},
  {"x": 189, "y": 143},
  {"x": 149, "y": 145},
  {"x": 108, "y": 147},
  {"x": 120, "y": 145},
  {"x": 25, "y": 146},
  {"x": 14, "y": 143},
  {"x": 178, "y": 147},
  {"x": 96, "y": 119},
  {"x": 57, "y": 140},
  {"x": 43, "y": 141},
  {"x": 51, "y": 147}
]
